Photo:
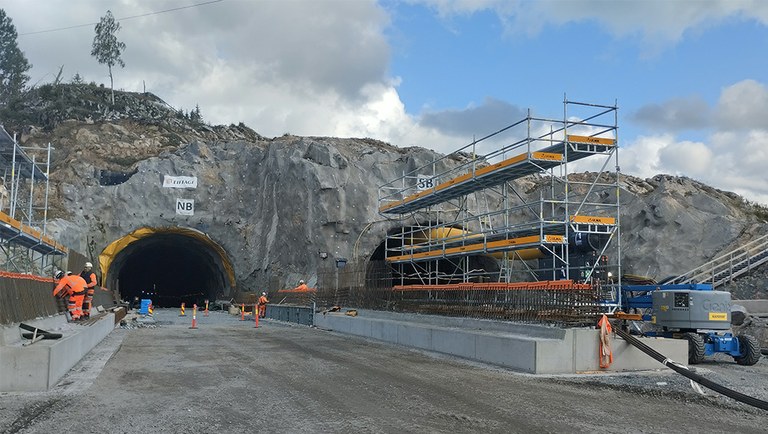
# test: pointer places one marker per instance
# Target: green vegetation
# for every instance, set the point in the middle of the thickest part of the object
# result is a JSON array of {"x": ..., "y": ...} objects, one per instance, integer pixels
[
  {"x": 106, "y": 48},
  {"x": 13, "y": 63}
]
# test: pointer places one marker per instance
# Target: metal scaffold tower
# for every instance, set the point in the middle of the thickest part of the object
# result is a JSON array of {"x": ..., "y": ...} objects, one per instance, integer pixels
[
  {"x": 25, "y": 246},
  {"x": 516, "y": 206}
]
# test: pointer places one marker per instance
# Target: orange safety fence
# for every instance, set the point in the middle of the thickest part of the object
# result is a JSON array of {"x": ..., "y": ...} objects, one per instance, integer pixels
[
  {"x": 497, "y": 286},
  {"x": 23, "y": 276}
]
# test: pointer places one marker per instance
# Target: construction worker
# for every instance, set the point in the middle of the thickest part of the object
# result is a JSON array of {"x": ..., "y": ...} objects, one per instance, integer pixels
[
  {"x": 74, "y": 287},
  {"x": 263, "y": 305},
  {"x": 90, "y": 286},
  {"x": 302, "y": 286}
]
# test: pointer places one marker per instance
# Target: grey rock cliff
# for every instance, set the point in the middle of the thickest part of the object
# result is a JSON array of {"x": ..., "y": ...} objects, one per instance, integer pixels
[{"x": 274, "y": 204}]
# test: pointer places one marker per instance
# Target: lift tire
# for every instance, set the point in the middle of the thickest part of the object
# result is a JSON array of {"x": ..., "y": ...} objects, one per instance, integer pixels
[
  {"x": 695, "y": 348},
  {"x": 751, "y": 348}
]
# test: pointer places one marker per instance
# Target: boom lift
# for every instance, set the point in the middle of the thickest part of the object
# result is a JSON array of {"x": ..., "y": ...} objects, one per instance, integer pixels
[{"x": 695, "y": 312}]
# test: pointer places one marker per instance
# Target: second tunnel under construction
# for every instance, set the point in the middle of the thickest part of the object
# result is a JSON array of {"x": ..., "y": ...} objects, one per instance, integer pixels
[{"x": 474, "y": 226}]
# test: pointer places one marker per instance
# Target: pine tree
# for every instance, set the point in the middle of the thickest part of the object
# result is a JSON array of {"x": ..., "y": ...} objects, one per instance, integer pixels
[
  {"x": 195, "y": 115},
  {"x": 13, "y": 63},
  {"x": 106, "y": 48}
]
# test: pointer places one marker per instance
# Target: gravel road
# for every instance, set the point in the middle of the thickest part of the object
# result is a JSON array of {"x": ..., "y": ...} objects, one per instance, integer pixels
[{"x": 228, "y": 376}]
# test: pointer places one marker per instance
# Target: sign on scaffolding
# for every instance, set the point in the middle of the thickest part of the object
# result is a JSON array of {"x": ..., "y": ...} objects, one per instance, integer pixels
[{"x": 424, "y": 182}]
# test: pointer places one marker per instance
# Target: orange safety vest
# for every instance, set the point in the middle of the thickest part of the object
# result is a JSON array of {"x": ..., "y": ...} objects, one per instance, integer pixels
[
  {"x": 605, "y": 354},
  {"x": 302, "y": 287},
  {"x": 263, "y": 300},
  {"x": 70, "y": 285}
]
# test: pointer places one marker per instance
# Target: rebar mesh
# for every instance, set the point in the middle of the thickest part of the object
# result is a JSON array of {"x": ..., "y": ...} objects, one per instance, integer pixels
[{"x": 369, "y": 286}]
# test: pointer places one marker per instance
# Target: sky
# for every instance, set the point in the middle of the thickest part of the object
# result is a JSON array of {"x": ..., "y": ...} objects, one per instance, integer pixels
[{"x": 690, "y": 77}]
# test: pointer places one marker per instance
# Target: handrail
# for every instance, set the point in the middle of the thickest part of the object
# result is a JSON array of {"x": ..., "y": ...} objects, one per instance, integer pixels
[{"x": 734, "y": 263}]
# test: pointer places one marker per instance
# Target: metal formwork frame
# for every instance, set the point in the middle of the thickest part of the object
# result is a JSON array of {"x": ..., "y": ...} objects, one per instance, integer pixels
[{"x": 473, "y": 207}]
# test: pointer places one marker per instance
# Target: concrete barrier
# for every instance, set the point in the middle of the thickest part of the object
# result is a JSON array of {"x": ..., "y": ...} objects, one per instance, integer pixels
[
  {"x": 39, "y": 366},
  {"x": 526, "y": 348},
  {"x": 295, "y": 314}
]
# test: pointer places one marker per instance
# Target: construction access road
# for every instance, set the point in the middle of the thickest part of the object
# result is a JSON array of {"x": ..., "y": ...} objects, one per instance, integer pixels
[{"x": 227, "y": 376}]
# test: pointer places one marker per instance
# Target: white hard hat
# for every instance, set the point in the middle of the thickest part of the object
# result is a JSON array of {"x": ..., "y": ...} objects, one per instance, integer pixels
[
  {"x": 88, "y": 265},
  {"x": 69, "y": 273},
  {"x": 301, "y": 281},
  {"x": 59, "y": 274},
  {"x": 263, "y": 293}
]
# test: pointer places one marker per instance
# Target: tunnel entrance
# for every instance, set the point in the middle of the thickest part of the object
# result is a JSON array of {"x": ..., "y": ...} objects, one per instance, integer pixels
[
  {"x": 167, "y": 265},
  {"x": 442, "y": 270}
]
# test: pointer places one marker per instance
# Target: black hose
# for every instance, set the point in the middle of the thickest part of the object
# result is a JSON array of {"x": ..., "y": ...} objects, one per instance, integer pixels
[{"x": 680, "y": 369}]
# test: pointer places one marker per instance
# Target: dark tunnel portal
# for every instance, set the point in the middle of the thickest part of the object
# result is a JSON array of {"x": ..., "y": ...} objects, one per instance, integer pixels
[{"x": 169, "y": 269}]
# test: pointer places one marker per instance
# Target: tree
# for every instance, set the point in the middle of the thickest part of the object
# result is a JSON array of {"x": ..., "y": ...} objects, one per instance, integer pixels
[
  {"x": 195, "y": 115},
  {"x": 13, "y": 63},
  {"x": 106, "y": 48}
]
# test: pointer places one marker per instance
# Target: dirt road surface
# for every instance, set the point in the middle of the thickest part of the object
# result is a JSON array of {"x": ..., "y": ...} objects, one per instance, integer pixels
[{"x": 227, "y": 376}]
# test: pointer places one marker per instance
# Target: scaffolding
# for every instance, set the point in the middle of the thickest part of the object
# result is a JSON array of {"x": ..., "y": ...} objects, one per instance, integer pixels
[
  {"x": 25, "y": 246},
  {"x": 468, "y": 218}
]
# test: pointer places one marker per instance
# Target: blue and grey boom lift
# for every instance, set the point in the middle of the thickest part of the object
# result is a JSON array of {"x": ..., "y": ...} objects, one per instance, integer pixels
[{"x": 689, "y": 306}]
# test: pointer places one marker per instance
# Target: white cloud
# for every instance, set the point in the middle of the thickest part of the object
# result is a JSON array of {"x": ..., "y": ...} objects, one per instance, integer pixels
[
  {"x": 303, "y": 67},
  {"x": 693, "y": 159},
  {"x": 659, "y": 22},
  {"x": 641, "y": 157},
  {"x": 728, "y": 161},
  {"x": 743, "y": 105},
  {"x": 321, "y": 69}
]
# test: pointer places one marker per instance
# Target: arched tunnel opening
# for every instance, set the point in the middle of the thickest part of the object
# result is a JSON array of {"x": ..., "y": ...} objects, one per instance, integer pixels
[
  {"x": 170, "y": 267},
  {"x": 485, "y": 267}
]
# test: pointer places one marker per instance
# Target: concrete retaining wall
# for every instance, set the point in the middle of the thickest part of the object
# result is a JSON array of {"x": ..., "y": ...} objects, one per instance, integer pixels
[
  {"x": 527, "y": 348},
  {"x": 40, "y": 366},
  {"x": 23, "y": 298}
]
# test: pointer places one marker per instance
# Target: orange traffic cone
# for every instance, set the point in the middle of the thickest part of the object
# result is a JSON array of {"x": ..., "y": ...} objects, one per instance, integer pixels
[{"x": 194, "y": 316}]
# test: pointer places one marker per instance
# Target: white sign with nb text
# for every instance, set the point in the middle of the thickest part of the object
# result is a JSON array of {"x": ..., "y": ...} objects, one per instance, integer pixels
[{"x": 185, "y": 206}]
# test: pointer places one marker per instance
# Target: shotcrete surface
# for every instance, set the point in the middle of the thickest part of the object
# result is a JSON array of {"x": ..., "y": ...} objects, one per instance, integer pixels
[{"x": 227, "y": 376}]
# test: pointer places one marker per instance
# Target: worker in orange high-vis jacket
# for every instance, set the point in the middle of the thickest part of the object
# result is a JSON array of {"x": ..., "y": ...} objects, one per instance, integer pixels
[
  {"x": 302, "y": 286},
  {"x": 263, "y": 305},
  {"x": 90, "y": 286},
  {"x": 74, "y": 287}
]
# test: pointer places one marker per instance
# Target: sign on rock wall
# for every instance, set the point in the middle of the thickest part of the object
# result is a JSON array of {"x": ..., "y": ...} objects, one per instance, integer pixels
[
  {"x": 185, "y": 206},
  {"x": 180, "y": 181}
]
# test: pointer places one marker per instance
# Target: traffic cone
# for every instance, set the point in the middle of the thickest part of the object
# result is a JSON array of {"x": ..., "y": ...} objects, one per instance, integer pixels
[
  {"x": 205, "y": 313},
  {"x": 194, "y": 316},
  {"x": 242, "y": 312},
  {"x": 183, "y": 313},
  {"x": 256, "y": 315}
]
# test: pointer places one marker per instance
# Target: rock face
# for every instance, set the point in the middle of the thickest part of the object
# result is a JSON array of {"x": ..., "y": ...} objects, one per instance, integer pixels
[
  {"x": 275, "y": 204},
  {"x": 671, "y": 224}
]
